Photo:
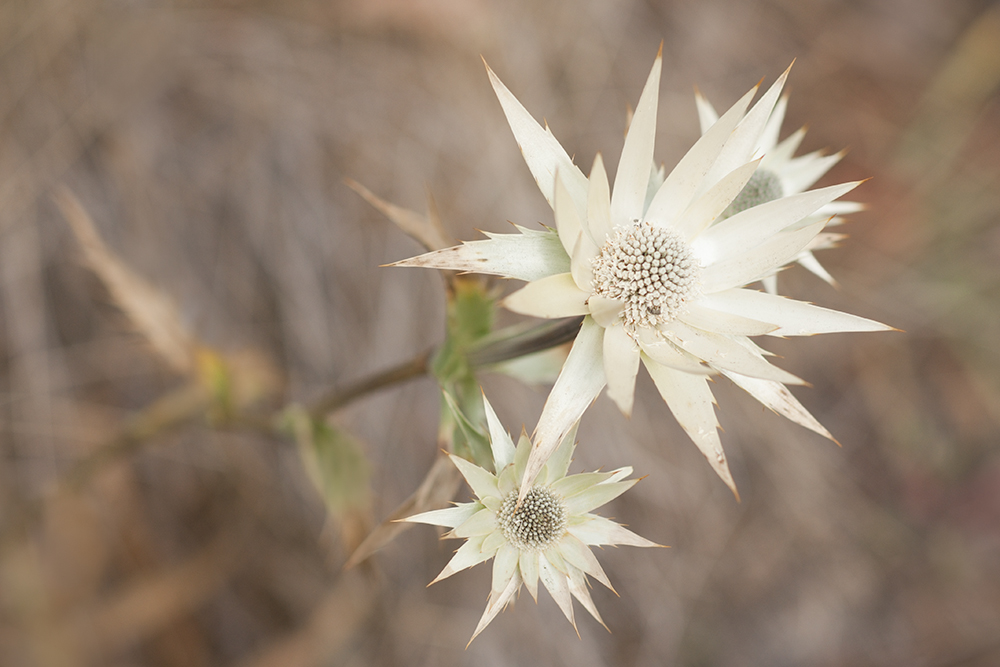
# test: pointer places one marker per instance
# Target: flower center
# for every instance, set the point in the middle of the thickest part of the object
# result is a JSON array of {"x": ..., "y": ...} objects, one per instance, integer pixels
[
  {"x": 539, "y": 521},
  {"x": 763, "y": 186},
  {"x": 651, "y": 269}
]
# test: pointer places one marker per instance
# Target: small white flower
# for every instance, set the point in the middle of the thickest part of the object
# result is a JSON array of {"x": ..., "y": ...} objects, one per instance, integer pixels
[
  {"x": 660, "y": 279},
  {"x": 546, "y": 537},
  {"x": 780, "y": 174}
]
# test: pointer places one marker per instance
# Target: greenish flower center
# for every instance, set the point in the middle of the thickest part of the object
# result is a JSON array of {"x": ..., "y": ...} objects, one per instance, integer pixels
[
  {"x": 763, "y": 186},
  {"x": 651, "y": 269},
  {"x": 537, "y": 523}
]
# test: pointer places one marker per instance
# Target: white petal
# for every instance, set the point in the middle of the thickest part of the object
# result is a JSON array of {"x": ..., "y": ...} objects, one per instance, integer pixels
[
  {"x": 495, "y": 605},
  {"x": 725, "y": 352},
  {"x": 741, "y": 147},
  {"x": 755, "y": 225},
  {"x": 784, "y": 151},
  {"x": 632, "y": 177},
  {"x": 690, "y": 399},
  {"x": 599, "y": 204},
  {"x": 578, "y": 587},
  {"x": 803, "y": 171},
  {"x": 567, "y": 216},
  {"x": 551, "y": 297},
  {"x": 621, "y": 363},
  {"x": 664, "y": 352},
  {"x": 604, "y": 310},
  {"x": 776, "y": 396},
  {"x": 597, "y": 495},
  {"x": 500, "y": 442},
  {"x": 479, "y": 524},
  {"x": 808, "y": 261},
  {"x": 706, "y": 112},
  {"x": 747, "y": 267},
  {"x": 574, "y": 484},
  {"x": 702, "y": 316},
  {"x": 468, "y": 554},
  {"x": 680, "y": 186},
  {"x": 794, "y": 318},
  {"x": 579, "y": 383},
  {"x": 504, "y": 565},
  {"x": 598, "y": 531},
  {"x": 449, "y": 517},
  {"x": 769, "y": 137},
  {"x": 557, "y": 465},
  {"x": 710, "y": 206},
  {"x": 580, "y": 556},
  {"x": 582, "y": 262},
  {"x": 542, "y": 153},
  {"x": 528, "y": 565},
  {"x": 530, "y": 255},
  {"x": 555, "y": 583},
  {"x": 483, "y": 482}
]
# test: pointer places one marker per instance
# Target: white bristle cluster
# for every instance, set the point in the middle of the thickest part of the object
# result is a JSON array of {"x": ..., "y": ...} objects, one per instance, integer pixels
[{"x": 763, "y": 186}]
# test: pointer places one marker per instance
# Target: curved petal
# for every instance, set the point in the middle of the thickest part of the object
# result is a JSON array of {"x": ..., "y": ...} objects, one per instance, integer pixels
[
  {"x": 579, "y": 383},
  {"x": 632, "y": 177},
  {"x": 543, "y": 154},
  {"x": 794, "y": 318},
  {"x": 596, "y": 531},
  {"x": 530, "y": 255},
  {"x": 599, "y": 204},
  {"x": 690, "y": 399},
  {"x": 621, "y": 363},
  {"x": 550, "y": 297}
]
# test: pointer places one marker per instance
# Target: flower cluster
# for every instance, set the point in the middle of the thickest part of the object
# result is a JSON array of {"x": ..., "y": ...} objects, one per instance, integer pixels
[{"x": 660, "y": 267}]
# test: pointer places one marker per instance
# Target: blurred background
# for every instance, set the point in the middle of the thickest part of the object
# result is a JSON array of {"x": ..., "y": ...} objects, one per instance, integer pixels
[{"x": 209, "y": 141}]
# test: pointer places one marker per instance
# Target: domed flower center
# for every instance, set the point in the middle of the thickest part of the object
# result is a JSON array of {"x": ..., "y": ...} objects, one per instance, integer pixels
[
  {"x": 651, "y": 269},
  {"x": 537, "y": 523},
  {"x": 763, "y": 186}
]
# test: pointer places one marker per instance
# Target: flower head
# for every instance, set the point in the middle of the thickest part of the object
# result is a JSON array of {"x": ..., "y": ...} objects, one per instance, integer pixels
[
  {"x": 543, "y": 537},
  {"x": 660, "y": 277},
  {"x": 780, "y": 174}
]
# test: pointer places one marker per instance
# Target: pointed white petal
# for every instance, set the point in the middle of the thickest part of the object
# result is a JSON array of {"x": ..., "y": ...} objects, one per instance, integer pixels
[
  {"x": 690, "y": 399},
  {"x": 664, "y": 352},
  {"x": 504, "y": 565},
  {"x": 794, "y": 318},
  {"x": 770, "y": 283},
  {"x": 841, "y": 208},
  {"x": 479, "y": 524},
  {"x": 494, "y": 541},
  {"x": 578, "y": 587},
  {"x": 803, "y": 171},
  {"x": 706, "y": 112},
  {"x": 597, "y": 531},
  {"x": 555, "y": 583},
  {"x": 496, "y": 604},
  {"x": 551, "y": 297},
  {"x": 702, "y": 316},
  {"x": 528, "y": 565},
  {"x": 679, "y": 188},
  {"x": 632, "y": 178},
  {"x": 483, "y": 482},
  {"x": 579, "y": 383},
  {"x": 582, "y": 262},
  {"x": 574, "y": 484},
  {"x": 784, "y": 151},
  {"x": 725, "y": 352},
  {"x": 710, "y": 206},
  {"x": 776, "y": 396},
  {"x": 542, "y": 153},
  {"x": 808, "y": 261},
  {"x": 469, "y": 554},
  {"x": 741, "y": 147},
  {"x": 599, "y": 204},
  {"x": 597, "y": 495},
  {"x": 530, "y": 255},
  {"x": 577, "y": 554},
  {"x": 567, "y": 216},
  {"x": 556, "y": 467},
  {"x": 621, "y": 363},
  {"x": 449, "y": 517},
  {"x": 500, "y": 442},
  {"x": 749, "y": 266},
  {"x": 750, "y": 228},
  {"x": 769, "y": 137}
]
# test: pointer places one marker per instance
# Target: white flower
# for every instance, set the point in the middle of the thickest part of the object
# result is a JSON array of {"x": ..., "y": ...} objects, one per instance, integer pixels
[
  {"x": 780, "y": 174},
  {"x": 546, "y": 537},
  {"x": 660, "y": 279}
]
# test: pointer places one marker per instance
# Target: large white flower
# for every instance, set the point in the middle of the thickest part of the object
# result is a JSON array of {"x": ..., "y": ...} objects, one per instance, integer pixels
[
  {"x": 544, "y": 537},
  {"x": 660, "y": 279},
  {"x": 780, "y": 174}
]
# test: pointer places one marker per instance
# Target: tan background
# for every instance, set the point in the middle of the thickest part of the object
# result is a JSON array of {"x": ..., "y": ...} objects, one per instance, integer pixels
[{"x": 210, "y": 142}]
